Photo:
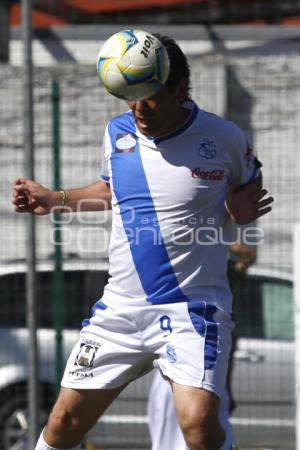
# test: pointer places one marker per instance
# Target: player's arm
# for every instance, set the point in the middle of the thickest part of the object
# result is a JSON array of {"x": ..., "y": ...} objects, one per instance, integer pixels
[
  {"x": 246, "y": 200},
  {"x": 30, "y": 196}
]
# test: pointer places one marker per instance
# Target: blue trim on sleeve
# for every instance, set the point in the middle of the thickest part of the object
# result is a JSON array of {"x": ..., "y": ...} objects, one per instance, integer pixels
[
  {"x": 105, "y": 178},
  {"x": 147, "y": 246}
]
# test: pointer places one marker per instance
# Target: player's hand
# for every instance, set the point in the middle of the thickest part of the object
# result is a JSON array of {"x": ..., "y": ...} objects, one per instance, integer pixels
[
  {"x": 30, "y": 196},
  {"x": 247, "y": 203}
]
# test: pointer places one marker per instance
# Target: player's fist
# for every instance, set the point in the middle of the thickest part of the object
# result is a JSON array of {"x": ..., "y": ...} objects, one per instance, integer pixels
[{"x": 30, "y": 196}]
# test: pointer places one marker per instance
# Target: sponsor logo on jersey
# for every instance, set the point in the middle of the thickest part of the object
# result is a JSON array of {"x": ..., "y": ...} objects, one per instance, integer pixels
[
  {"x": 125, "y": 143},
  {"x": 215, "y": 175},
  {"x": 171, "y": 353},
  {"x": 86, "y": 355},
  {"x": 207, "y": 149}
]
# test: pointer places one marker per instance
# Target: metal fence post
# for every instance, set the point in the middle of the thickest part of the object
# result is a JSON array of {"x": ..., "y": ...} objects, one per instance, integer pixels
[
  {"x": 57, "y": 286},
  {"x": 4, "y": 31},
  {"x": 297, "y": 328},
  {"x": 30, "y": 229}
]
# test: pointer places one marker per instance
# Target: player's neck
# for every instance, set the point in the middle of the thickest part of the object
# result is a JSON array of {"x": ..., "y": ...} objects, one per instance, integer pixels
[{"x": 178, "y": 121}]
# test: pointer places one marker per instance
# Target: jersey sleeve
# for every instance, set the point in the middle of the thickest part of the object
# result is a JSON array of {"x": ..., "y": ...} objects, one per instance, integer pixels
[
  {"x": 106, "y": 151},
  {"x": 245, "y": 166}
]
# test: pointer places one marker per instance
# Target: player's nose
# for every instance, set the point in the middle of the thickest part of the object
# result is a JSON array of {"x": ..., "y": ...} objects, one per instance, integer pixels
[{"x": 141, "y": 105}]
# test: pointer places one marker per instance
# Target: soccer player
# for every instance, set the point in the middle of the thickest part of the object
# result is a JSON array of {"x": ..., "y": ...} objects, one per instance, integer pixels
[{"x": 171, "y": 172}]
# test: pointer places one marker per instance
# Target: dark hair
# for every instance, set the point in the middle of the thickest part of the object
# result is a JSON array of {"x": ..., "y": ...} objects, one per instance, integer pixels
[{"x": 179, "y": 66}]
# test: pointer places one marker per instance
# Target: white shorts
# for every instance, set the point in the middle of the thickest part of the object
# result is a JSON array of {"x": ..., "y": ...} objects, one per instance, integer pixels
[{"x": 189, "y": 342}]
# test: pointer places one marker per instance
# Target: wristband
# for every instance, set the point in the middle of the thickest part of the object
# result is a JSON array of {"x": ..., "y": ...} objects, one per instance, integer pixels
[{"x": 64, "y": 198}]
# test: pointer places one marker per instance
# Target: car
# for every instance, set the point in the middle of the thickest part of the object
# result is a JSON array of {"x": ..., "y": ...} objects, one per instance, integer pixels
[
  {"x": 263, "y": 372},
  {"x": 83, "y": 283},
  {"x": 263, "y": 380}
]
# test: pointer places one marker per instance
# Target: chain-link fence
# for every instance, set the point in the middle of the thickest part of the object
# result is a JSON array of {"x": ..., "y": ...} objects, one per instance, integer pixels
[{"x": 259, "y": 92}]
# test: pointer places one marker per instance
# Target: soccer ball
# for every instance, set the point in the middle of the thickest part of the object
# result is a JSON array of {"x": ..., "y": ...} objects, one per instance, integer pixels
[{"x": 133, "y": 65}]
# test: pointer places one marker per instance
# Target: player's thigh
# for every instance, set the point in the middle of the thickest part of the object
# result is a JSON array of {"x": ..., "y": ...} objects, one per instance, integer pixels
[
  {"x": 195, "y": 407},
  {"x": 79, "y": 409},
  {"x": 195, "y": 345}
]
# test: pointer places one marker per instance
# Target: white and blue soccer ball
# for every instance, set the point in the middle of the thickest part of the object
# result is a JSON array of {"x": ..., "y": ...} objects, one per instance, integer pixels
[{"x": 133, "y": 65}]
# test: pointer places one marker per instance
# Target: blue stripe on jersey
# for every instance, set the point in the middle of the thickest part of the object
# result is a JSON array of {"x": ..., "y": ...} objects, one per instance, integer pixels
[
  {"x": 188, "y": 123},
  {"x": 201, "y": 315},
  {"x": 105, "y": 177},
  {"x": 136, "y": 204}
]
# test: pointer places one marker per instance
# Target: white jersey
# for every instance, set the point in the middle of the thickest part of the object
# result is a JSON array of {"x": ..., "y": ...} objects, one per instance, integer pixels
[{"x": 168, "y": 241}]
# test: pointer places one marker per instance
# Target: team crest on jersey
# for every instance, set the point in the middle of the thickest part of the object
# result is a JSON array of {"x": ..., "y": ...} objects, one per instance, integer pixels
[
  {"x": 125, "y": 143},
  {"x": 86, "y": 355},
  {"x": 171, "y": 353},
  {"x": 207, "y": 149}
]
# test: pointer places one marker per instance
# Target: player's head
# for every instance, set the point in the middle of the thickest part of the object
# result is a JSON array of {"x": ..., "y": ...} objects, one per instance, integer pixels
[
  {"x": 164, "y": 112},
  {"x": 179, "y": 66}
]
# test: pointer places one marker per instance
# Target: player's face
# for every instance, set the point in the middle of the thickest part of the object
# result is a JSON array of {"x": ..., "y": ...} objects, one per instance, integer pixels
[{"x": 160, "y": 114}]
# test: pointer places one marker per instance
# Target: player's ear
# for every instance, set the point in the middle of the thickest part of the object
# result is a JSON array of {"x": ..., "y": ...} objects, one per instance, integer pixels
[{"x": 181, "y": 90}]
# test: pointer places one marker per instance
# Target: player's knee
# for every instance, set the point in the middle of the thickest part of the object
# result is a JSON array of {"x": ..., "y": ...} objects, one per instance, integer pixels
[
  {"x": 203, "y": 433},
  {"x": 61, "y": 421}
]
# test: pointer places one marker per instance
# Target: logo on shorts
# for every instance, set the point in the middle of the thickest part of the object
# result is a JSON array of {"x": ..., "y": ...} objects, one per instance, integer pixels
[
  {"x": 86, "y": 355},
  {"x": 171, "y": 353},
  {"x": 207, "y": 149}
]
